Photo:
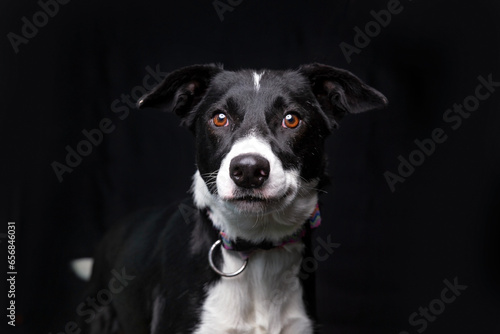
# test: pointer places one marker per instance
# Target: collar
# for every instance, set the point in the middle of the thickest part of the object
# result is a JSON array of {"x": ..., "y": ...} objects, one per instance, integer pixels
[{"x": 246, "y": 248}]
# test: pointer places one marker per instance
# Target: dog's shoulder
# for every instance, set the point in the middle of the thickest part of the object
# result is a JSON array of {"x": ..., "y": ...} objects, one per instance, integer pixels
[
  {"x": 160, "y": 253},
  {"x": 151, "y": 234}
]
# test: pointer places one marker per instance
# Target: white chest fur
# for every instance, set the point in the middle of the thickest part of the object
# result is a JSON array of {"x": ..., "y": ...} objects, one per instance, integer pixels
[{"x": 265, "y": 299}]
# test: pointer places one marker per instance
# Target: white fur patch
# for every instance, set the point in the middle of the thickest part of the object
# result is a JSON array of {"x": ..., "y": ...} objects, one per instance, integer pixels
[
  {"x": 82, "y": 267},
  {"x": 256, "y": 80},
  {"x": 265, "y": 299}
]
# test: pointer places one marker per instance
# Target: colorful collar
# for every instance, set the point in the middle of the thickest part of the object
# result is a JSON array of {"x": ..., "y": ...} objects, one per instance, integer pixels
[{"x": 246, "y": 248}]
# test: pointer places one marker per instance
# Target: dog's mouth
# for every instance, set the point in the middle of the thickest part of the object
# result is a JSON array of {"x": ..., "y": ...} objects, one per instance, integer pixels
[
  {"x": 249, "y": 198},
  {"x": 257, "y": 201}
]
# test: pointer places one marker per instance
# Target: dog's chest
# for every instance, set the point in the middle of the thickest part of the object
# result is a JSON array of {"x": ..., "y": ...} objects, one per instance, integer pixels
[{"x": 265, "y": 298}]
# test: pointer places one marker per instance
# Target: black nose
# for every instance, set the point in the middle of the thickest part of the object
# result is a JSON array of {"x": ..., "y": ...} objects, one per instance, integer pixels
[{"x": 249, "y": 170}]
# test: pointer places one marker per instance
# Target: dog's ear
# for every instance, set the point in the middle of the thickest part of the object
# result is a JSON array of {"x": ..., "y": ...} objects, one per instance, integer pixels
[
  {"x": 181, "y": 90},
  {"x": 339, "y": 92}
]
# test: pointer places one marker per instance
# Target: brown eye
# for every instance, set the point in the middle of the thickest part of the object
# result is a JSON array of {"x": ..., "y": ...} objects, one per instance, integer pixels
[
  {"x": 220, "y": 120},
  {"x": 291, "y": 121}
]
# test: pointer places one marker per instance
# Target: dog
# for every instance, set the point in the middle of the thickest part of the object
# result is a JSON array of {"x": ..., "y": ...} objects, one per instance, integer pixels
[{"x": 229, "y": 260}]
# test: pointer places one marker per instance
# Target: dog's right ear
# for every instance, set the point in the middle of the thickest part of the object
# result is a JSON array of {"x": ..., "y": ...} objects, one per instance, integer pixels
[
  {"x": 339, "y": 92},
  {"x": 181, "y": 90}
]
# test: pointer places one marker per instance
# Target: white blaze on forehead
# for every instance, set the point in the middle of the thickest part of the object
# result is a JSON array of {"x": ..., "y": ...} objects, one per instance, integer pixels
[{"x": 256, "y": 80}]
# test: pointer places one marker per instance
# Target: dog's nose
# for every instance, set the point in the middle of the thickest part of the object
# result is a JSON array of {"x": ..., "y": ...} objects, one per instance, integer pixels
[{"x": 249, "y": 170}]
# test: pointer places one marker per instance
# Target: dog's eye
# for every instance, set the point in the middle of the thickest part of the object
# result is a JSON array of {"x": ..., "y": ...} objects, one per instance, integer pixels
[
  {"x": 220, "y": 120},
  {"x": 291, "y": 121}
]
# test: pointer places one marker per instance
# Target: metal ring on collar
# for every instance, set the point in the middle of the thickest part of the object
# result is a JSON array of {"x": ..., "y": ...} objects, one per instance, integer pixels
[{"x": 210, "y": 260}]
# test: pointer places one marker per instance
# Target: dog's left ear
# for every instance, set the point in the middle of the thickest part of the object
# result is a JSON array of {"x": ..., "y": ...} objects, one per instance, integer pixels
[
  {"x": 339, "y": 92},
  {"x": 181, "y": 90}
]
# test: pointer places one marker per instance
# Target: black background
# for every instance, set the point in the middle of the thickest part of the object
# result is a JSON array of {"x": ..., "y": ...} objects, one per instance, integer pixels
[{"x": 396, "y": 247}]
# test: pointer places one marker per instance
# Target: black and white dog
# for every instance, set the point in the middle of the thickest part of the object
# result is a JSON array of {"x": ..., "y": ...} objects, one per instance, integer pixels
[{"x": 233, "y": 264}]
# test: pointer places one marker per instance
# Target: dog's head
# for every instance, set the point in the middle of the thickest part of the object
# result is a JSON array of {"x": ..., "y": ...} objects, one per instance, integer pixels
[{"x": 259, "y": 139}]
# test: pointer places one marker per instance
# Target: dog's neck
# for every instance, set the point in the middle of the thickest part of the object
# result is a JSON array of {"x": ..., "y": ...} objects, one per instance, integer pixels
[
  {"x": 273, "y": 226},
  {"x": 246, "y": 248}
]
